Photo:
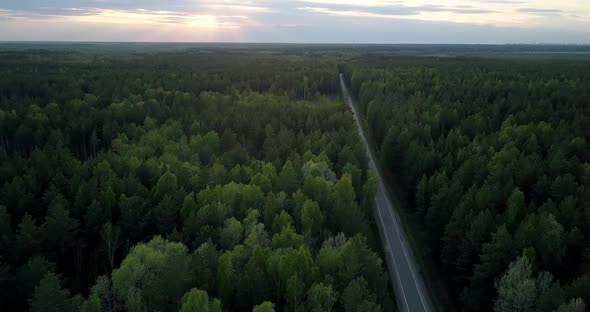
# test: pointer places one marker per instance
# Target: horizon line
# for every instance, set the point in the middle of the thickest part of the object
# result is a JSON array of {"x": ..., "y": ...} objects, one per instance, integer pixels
[{"x": 287, "y": 43}]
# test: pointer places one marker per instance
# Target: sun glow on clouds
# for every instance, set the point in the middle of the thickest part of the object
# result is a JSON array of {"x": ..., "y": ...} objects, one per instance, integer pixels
[
  {"x": 142, "y": 16},
  {"x": 134, "y": 17}
]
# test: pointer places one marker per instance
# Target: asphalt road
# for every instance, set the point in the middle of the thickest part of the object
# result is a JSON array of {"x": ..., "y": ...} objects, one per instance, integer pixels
[{"x": 409, "y": 289}]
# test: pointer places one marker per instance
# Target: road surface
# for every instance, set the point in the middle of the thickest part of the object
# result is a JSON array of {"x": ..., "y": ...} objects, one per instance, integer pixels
[{"x": 410, "y": 293}]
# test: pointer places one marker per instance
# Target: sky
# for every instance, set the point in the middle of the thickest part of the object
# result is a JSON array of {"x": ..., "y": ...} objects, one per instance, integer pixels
[{"x": 298, "y": 21}]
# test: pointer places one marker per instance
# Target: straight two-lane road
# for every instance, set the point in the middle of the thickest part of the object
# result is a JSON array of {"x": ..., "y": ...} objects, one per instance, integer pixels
[{"x": 410, "y": 291}]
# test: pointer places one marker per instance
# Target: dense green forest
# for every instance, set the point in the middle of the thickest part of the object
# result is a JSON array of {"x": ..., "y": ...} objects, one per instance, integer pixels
[
  {"x": 493, "y": 157},
  {"x": 231, "y": 178},
  {"x": 193, "y": 180}
]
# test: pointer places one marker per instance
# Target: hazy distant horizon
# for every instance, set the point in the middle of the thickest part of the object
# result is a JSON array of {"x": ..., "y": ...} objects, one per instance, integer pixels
[{"x": 290, "y": 43}]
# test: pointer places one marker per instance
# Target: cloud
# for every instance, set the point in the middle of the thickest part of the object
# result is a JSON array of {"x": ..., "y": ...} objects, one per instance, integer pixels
[
  {"x": 128, "y": 17},
  {"x": 388, "y": 11},
  {"x": 367, "y": 8},
  {"x": 500, "y": 1},
  {"x": 278, "y": 20},
  {"x": 391, "y": 8},
  {"x": 205, "y": 14},
  {"x": 195, "y": 7},
  {"x": 539, "y": 11}
]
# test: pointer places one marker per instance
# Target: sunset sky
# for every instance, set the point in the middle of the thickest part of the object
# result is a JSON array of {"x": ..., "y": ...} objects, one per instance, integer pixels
[{"x": 330, "y": 21}]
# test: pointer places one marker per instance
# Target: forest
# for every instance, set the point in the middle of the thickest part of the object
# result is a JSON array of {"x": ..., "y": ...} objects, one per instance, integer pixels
[
  {"x": 232, "y": 178},
  {"x": 492, "y": 156},
  {"x": 183, "y": 180}
]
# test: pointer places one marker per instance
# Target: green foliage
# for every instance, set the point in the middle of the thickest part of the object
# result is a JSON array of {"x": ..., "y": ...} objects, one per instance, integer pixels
[
  {"x": 160, "y": 270},
  {"x": 575, "y": 305},
  {"x": 188, "y": 206},
  {"x": 516, "y": 289},
  {"x": 231, "y": 234},
  {"x": 166, "y": 185},
  {"x": 492, "y": 154},
  {"x": 356, "y": 297},
  {"x": 320, "y": 298},
  {"x": 155, "y": 174},
  {"x": 226, "y": 277},
  {"x": 287, "y": 180},
  {"x": 312, "y": 219},
  {"x": 50, "y": 296},
  {"x": 281, "y": 221},
  {"x": 264, "y": 307},
  {"x": 103, "y": 290},
  {"x": 134, "y": 301},
  {"x": 196, "y": 300},
  {"x": 30, "y": 274},
  {"x": 92, "y": 304}
]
